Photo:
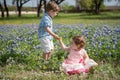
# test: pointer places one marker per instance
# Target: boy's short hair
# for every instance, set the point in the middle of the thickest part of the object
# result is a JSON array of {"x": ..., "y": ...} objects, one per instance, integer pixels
[{"x": 52, "y": 5}]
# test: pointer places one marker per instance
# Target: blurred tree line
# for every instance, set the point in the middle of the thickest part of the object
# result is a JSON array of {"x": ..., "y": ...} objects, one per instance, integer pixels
[
  {"x": 19, "y": 5},
  {"x": 93, "y": 6}
]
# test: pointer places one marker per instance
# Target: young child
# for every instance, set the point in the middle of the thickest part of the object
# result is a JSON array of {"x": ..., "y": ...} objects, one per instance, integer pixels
[
  {"x": 78, "y": 60},
  {"x": 45, "y": 30}
]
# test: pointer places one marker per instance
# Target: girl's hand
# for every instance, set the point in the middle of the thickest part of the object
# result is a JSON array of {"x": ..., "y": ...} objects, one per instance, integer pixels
[{"x": 60, "y": 39}]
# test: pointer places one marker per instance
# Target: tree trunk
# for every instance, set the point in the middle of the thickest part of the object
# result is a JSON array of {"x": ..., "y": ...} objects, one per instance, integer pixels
[
  {"x": 97, "y": 10},
  {"x": 97, "y": 6},
  {"x": 2, "y": 10},
  {"x": 6, "y": 8},
  {"x": 19, "y": 11},
  {"x": 45, "y": 5},
  {"x": 39, "y": 7},
  {"x": 19, "y": 4}
]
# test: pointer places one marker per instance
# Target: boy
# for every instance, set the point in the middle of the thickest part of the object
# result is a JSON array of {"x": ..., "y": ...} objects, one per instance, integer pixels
[{"x": 45, "y": 29}]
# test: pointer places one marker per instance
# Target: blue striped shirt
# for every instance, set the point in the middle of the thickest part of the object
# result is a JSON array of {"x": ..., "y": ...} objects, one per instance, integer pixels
[{"x": 46, "y": 21}]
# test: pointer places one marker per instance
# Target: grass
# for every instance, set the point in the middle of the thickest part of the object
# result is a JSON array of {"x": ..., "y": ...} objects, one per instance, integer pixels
[
  {"x": 104, "y": 71},
  {"x": 19, "y": 71},
  {"x": 86, "y": 18},
  {"x": 67, "y": 18}
]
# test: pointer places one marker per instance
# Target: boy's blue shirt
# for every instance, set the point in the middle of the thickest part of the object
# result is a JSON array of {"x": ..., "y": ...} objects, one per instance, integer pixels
[{"x": 46, "y": 21}]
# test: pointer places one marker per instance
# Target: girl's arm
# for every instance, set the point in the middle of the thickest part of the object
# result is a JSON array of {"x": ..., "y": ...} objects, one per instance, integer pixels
[
  {"x": 86, "y": 57},
  {"x": 63, "y": 45},
  {"x": 89, "y": 62},
  {"x": 52, "y": 33}
]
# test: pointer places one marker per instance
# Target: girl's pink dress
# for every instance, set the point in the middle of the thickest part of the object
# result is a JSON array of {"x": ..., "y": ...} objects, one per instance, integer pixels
[{"x": 74, "y": 63}]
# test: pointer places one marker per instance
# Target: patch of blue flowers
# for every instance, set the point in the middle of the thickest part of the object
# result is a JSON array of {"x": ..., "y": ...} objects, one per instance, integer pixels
[{"x": 20, "y": 43}]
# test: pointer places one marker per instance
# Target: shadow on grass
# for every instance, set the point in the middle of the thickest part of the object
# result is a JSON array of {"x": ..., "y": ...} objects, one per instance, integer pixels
[
  {"x": 90, "y": 16},
  {"x": 20, "y": 18},
  {"x": 101, "y": 16}
]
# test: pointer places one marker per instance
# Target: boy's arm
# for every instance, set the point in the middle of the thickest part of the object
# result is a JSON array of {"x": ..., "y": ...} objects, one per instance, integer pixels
[
  {"x": 52, "y": 33},
  {"x": 63, "y": 45}
]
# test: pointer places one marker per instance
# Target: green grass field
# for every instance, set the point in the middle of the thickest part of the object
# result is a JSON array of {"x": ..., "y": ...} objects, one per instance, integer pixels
[
  {"x": 20, "y": 55},
  {"x": 67, "y": 18}
]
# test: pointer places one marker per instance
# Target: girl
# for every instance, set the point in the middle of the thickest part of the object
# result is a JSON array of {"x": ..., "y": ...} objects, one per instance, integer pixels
[{"x": 78, "y": 60}]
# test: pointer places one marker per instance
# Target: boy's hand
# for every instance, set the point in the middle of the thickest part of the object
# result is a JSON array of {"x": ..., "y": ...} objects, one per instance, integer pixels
[
  {"x": 60, "y": 39},
  {"x": 57, "y": 37}
]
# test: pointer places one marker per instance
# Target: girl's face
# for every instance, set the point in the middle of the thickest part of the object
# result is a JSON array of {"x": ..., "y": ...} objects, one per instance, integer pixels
[{"x": 73, "y": 45}]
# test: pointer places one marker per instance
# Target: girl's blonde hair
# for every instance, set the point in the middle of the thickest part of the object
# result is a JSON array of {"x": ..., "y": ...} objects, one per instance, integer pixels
[
  {"x": 52, "y": 5},
  {"x": 79, "y": 41}
]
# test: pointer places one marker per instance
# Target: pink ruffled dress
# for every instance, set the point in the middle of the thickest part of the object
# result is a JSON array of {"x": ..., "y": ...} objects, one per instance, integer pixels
[{"x": 74, "y": 63}]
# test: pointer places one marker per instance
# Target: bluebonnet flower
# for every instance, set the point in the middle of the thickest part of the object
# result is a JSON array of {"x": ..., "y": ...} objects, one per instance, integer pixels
[
  {"x": 42, "y": 61},
  {"x": 112, "y": 40},
  {"x": 114, "y": 46},
  {"x": 107, "y": 54},
  {"x": 108, "y": 46},
  {"x": 117, "y": 30},
  {"x": 96, "y": 54},
  {"x": 118, "y": 36},
  {"x": 1, "y": 36}
]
